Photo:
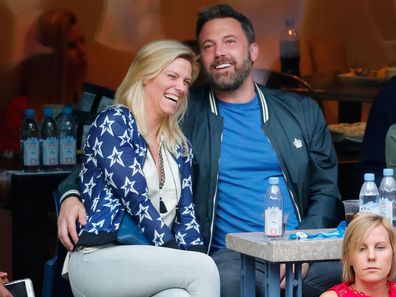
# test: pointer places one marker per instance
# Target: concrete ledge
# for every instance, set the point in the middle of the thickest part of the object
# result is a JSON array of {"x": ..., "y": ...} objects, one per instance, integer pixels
[{"x": 281, "y": 250}]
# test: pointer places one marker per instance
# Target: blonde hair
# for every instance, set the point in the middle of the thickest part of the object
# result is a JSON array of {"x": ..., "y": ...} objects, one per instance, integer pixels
[
  {"x": 53, "y": 27},
  {"x": 153, "y": 58},
  {"x": 357, "y": 231}
]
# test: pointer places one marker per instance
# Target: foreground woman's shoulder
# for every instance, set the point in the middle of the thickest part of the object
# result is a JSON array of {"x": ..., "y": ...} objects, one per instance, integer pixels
[{"x": 329, "y": 294}]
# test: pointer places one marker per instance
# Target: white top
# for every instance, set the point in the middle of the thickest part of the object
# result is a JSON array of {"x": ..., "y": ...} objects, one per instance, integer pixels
[{"x": 170, "y": 192}]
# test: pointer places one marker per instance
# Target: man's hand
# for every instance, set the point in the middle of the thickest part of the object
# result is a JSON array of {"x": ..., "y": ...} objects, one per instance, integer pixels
[
  {"x": 304, "y": 268},
  {"x": 3, "y": 280},
  {"x": 72, "y": 211}
]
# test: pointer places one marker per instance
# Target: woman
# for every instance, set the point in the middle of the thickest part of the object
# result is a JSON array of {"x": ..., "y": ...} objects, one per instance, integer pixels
[
  {"x": 368, "y": 257},
  {"x": 137, "y": 162},
  {"x": 3, "y": 280},
  {"x": 47, "y": 78}
]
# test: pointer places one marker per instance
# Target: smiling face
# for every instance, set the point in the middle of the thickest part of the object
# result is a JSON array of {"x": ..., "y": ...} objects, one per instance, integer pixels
[
  {"x": 372, "y": 261},
  {"x": 165, "y": 92},
  {"x": 226, "y": 55}
]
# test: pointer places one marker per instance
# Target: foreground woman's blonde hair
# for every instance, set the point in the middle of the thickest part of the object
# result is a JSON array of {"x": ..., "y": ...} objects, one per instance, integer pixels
[
  {"x": 148, "y": 63},
  {"x": 357, "y": 231}
]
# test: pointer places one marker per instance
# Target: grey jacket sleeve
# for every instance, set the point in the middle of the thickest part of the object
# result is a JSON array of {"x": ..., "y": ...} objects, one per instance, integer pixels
[{"x": 70, "y": 186}]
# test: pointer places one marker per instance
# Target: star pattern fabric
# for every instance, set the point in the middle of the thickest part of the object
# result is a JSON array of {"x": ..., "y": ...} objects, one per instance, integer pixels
[{"x": 114, "y": 185}]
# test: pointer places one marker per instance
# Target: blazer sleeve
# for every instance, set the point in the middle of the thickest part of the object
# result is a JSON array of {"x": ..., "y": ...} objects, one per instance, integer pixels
[
  {"x": 115, "y": 148},
  {"x": 186, "y": 228}
]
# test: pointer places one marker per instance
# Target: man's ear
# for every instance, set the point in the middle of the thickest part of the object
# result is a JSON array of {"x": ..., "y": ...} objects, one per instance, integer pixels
[{"x": 254, "y": 51}]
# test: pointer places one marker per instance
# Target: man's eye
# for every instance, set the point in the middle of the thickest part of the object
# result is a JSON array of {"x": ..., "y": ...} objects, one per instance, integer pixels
[{"x": 230, "y": 41}]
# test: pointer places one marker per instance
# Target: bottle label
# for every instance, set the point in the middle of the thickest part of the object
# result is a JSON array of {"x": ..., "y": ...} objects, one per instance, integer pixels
[
  {"x": 273, "y": 221},
  {"x": 386, "y": 209},
  {"x": 50, "y": 151},
  {"x": 67, "y": 150},
  {"x": 31, "y": 155},
  {"x": 289, "y": 49}
]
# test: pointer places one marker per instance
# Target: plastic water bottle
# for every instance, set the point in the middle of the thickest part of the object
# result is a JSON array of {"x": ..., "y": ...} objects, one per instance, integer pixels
[
  {"x": 273, "y": 210},
  {"x": 387, "y": 196},
  {"x": 30, "y": 145},
  {"x": 49, "y": 141},
  {"x": 368, "y": 195},
  {"x": 67, "y": 138},
  {"x": 289, "y": 49}
]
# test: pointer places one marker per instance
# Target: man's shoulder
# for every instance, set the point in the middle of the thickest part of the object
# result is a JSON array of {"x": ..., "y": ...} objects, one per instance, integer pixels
[{"x": 286, "y": 99}]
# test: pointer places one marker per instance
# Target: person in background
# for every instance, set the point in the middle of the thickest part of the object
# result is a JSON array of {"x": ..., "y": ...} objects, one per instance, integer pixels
[
  {"x": 390, "y": 149},
  {"x": 382, "y": 115},
  {"x": 47, "y": 78},
  {"x": 368, "y": 259},
  {"x": 137, "y": 162},
  {"x": 3, "y": 280},
  {"x": 243, "y": 133}
]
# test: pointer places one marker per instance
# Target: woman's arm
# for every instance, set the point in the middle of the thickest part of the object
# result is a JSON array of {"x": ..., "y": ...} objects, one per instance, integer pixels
[{"x": 116, "y": 148}]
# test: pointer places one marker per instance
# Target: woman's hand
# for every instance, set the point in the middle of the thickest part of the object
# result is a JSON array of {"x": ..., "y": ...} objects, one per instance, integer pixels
[
  {"x": 3, "y": 280},
  {"x": 71, "y": 211}
]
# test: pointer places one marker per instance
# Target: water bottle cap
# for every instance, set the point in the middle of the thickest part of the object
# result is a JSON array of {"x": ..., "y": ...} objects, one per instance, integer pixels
[
  {"x": 29, "y": 113},
  {"x": 388, "y": 172},
  {"x": 66, "y": 110},
  {"x": 47, "y": 111},
  {"x": 369, "y": 177},
  {"x": 273, "y": 180}
]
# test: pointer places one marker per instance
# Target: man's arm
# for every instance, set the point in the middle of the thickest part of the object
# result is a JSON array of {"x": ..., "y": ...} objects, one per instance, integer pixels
[
  {"x": 325, "y": 208},
  {"x": 71, "y": 210}
]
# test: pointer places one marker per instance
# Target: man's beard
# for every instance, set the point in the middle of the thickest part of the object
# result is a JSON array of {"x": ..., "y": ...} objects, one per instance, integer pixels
[{"x": 232, "y": 80}]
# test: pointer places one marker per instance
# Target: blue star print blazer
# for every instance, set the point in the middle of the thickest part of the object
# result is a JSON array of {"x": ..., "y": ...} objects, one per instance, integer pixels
[{"x": 113, "y": 185}]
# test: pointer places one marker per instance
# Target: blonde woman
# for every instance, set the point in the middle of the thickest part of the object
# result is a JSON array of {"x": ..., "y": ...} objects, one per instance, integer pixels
[
  {"x": 137, "y": 163},
  {"x": 368, "y": 258}
]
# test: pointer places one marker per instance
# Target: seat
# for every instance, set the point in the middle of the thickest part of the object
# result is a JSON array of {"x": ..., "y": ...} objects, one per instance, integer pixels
[
  {"x": 284, "y": 81},
  {"x": 54, "y": 284}
]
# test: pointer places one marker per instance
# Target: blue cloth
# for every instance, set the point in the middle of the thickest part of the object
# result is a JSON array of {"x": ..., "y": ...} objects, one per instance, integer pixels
[
  {"x": 337, "y": 233},
  {"x": 247, "y": 160}
]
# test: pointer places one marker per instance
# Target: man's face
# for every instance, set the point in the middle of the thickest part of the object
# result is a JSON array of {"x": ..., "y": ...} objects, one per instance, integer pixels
[{"x": 226, "y": 55}]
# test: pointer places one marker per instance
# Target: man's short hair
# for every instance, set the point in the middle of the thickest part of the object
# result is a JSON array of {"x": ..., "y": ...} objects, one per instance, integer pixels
[{"x": 225, "y": 11}]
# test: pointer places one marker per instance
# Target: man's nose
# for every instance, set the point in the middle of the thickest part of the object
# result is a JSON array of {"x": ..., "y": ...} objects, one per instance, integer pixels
[{"x": 219, "y": 50}]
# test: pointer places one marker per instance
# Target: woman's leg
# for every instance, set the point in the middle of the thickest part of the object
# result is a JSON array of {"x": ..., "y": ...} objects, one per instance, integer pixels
[
  {"x": 173, "y": 293},
  {"x": 139, "y": 270}
]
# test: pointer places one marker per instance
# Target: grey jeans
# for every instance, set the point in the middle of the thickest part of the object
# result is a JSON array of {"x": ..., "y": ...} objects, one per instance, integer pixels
[
  {"x": 320, "y": 277},
  {"x": 143, "y": 271}
]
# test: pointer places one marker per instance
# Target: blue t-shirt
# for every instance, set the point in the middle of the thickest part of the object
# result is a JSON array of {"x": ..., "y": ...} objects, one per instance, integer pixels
[{"x": 247, "y": 160}]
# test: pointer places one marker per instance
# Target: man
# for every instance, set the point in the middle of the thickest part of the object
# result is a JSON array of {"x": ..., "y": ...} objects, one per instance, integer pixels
[{"x": 242, "y": 134}]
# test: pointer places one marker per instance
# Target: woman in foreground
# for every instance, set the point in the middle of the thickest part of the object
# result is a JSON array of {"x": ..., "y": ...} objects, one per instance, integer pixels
[
  {"x": 368, "y": 258},
  {"x": 137, "y": 163}
]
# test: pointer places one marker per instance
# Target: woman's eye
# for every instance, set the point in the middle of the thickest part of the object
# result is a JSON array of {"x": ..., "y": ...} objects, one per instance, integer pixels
[{"x": 362, "y": 248}]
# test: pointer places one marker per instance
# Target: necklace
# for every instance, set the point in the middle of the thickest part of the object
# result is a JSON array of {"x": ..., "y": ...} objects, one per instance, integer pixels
[{"x": 162, "y": 205}]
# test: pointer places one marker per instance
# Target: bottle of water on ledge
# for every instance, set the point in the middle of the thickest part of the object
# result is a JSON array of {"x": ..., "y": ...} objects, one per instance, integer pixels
[
  {"x": 368, "y": 195},
  {"x": 273, "y": 210},
  {"x": 49, "y": 141},
  {"x": 387, "y": 195},
  {"x": 67, "y": 138},
  {"x": 30, "y": 145}
]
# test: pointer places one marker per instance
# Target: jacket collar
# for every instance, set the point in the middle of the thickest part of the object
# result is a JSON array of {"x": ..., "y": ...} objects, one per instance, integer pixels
[{"x": 264, "y": 107}]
